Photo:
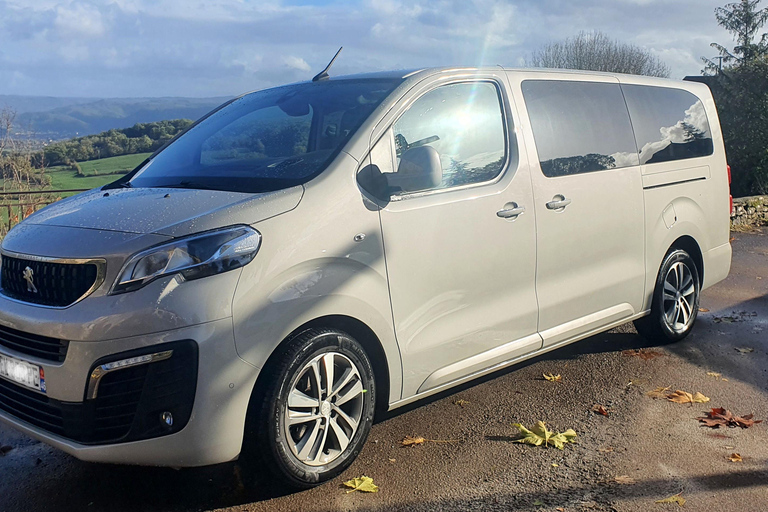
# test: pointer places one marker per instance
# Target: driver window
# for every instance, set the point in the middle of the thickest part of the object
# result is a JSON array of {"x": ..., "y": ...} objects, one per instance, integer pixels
[{"x": 463, "y": 123}]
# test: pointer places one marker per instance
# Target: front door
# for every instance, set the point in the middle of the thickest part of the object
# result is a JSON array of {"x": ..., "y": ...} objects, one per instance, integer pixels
[
  {"x": 589, "y": 206},
  {"x": 461, "y": 254}
]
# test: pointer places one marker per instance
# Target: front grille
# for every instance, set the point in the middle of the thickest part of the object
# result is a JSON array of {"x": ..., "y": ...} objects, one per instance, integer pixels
[
  {"x": 128, "y": 405},
  {"x": 31, "y": 407},
  {"x": 42, "y": 347},
  {"x": 53, "y": 284}
]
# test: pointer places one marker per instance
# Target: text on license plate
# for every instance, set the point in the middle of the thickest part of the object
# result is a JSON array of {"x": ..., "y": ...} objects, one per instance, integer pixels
[{"x": 21, "y": 372}]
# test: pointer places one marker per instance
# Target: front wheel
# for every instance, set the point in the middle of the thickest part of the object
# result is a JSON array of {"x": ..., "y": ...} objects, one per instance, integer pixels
[
  {"x": 317, "y": 409},
  {"x": 675, "y": 299}
]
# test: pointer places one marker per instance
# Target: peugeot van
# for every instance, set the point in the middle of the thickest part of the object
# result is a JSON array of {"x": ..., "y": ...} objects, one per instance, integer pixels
[{"x": 305, "y": 256}]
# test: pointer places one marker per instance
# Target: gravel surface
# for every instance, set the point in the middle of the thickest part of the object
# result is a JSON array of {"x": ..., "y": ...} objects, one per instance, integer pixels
[{"x": 656, "y": 444}]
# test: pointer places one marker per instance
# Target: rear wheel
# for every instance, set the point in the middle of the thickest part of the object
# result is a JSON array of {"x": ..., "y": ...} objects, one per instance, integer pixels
[
  {"x": 675, "y": 299},
  {"x": 317, "y": 408}
]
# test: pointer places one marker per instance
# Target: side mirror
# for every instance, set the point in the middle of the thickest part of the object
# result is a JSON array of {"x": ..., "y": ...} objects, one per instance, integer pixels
[{"x": 419, "y": 169}]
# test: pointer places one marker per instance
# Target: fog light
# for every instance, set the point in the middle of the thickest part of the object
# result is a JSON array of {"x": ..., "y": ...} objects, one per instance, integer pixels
[{"x": 167, "y": 418}]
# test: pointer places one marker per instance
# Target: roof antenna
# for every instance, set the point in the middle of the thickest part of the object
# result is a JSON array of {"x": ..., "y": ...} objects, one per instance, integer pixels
[{"x": 323, "y": 75}]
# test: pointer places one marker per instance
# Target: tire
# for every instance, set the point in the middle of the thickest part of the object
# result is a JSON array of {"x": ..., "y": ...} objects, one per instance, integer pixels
[
  {"x": 303, "y": 437},
  {"x": 675, "y": 303}
]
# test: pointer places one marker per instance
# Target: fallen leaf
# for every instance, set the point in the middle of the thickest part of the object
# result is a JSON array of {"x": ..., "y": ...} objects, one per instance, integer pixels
[
  {"x": 673, "y": 499},
  {"x": 724, "y": 379},
  {"x": 5, "y": 449},
  {"x": 607, "y": 449},
  {"x": 735, "y": 457},
  {"x": 362, "y": 484},
  {"x": 715, "y": 374},
  {"x": 555, "y": 465},
  {"x": 599, "y": 409},
  {"x": 412, "y": 441},
  {"x": 719, "y": 417},
  {"x": 745, "y": 350},
  {"x": 538, "y": 503},
  {"x": 624, "y": 480},
  {"x": 658, "y": 393},
  {"x": 703, "y": 310},
  {"x": 392, "y": 460},
  {"x": 682, "y": 397},
  {"x": 553, "y": 378},
  {"x": 461, "y": 403},
  {"x": 560, "y": 509},
  {"x": 539, "y": 435},
  {"x": 643, "y": 354}
]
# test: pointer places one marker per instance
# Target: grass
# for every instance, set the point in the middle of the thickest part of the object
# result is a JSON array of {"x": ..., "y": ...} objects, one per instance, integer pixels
[{"x": 97, "y": 172}]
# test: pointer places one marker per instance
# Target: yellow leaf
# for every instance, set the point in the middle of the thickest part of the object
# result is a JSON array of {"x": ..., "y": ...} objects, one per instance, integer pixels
[
  {"x": 412, "y": 441},
  {"x": 683, "y": 397},
  {"x": 362, "y": 484},
  {"x": 539, "y": 435},
  {"x": 735, "y": 457},
  {"x": 658, "y": 393},
  {"x": 624, "y": 480},
  {"x": 554, "y": 465},
  {"x": 715, "y": 374},
  {"x": 461, "y": 403},
  {"x": 673, "y": 499},
  {"x": 552, "y": 378}
]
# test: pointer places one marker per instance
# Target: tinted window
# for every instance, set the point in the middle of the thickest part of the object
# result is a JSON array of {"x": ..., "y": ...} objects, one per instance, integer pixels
[
  {"x": 267, "y": 140},
  {"x": 670, "y": 124},
  {"x": 464, "y": 123},
  {"x": 579, "y": 126}
]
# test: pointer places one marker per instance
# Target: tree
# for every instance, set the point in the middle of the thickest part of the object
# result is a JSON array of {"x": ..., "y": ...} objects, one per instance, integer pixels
[
  {"x": 743, "y": 20},
  {"x": 741, "y": 95},
  {"x": 595, "y": 51}
]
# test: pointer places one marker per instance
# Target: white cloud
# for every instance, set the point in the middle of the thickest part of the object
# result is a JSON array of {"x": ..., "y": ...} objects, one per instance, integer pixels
[
  {"x": 296, "y": 63},
  {"x": 221, "y": 47},
  {"x": 79, "y": 19}
]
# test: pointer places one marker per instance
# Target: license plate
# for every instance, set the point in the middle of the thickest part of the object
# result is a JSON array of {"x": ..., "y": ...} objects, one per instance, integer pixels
[{"x": 21, "y": 372}]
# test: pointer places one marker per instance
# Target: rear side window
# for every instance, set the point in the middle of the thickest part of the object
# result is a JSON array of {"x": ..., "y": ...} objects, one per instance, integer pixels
[
  {"x": 579, "y": 126},
  {"x": 670, "y": 124}
]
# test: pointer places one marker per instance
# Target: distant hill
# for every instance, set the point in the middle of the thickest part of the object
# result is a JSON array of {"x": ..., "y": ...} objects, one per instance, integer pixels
[
  {"x": 71, "y": 117},
  {"x": 24, "y": 104}
]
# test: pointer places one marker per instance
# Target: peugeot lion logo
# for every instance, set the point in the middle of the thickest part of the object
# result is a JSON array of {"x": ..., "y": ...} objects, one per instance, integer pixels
[{"x": 28, "y": 277}]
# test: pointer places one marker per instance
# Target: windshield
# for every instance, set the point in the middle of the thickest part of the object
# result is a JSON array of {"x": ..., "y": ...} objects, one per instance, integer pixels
[{"x": 266, "y": 140}]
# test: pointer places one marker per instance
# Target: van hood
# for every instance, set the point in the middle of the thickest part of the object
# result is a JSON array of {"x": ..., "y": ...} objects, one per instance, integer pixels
[{"x": 165, "y": 211}]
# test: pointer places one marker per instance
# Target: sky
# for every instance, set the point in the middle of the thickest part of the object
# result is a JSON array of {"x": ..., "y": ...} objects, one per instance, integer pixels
[{"x": 139, "y": 48}]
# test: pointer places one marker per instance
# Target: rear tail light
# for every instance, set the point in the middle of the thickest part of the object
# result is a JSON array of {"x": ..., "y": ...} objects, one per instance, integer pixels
[{"x": 730, "y": 196}]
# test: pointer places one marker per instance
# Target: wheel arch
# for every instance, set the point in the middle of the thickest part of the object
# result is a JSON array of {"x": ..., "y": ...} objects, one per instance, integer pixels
[
  {"x": 689, "y": 245},
  {"x": 352, "y": 326}
]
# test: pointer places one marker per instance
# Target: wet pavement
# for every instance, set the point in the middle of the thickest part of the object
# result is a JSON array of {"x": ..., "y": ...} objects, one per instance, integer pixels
[{"x": 658, "y": 448}]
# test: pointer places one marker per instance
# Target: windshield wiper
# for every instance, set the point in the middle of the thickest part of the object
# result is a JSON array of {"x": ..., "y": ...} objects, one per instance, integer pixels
[{"x": 190, "y": 185}]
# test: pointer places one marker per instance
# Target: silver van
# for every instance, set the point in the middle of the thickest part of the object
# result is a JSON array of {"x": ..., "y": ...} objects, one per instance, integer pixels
[{"x": 308, "y": 255}]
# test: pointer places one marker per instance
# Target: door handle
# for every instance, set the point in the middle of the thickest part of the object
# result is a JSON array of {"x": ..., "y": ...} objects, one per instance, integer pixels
[
  {"x": 559, "y": 202},
  {"x": 511, "y": 211}
]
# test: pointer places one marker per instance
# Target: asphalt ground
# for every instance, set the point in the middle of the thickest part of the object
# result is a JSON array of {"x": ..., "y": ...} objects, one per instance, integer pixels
[{"x": 655, "y": 448}]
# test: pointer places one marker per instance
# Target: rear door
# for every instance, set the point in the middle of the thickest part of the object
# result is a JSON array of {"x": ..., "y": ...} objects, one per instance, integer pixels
[
  {"x": 588, "y": 198},
  {"x": 460, "y": 256}
]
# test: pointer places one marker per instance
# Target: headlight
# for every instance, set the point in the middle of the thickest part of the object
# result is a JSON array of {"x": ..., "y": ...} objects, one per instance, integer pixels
[{"x": 191, "y": 258}]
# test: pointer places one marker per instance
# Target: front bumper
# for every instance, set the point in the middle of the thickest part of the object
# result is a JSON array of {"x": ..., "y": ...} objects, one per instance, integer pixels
[{"x": 215, "y": 428}]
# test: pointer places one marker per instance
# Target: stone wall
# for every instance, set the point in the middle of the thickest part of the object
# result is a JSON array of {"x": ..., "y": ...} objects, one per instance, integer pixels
[{"x": 750, "y": 212}]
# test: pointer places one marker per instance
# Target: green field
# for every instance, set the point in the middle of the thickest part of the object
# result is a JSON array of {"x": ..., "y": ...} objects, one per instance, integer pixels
[{"x": 97, "y": 172}]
